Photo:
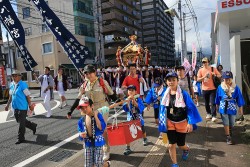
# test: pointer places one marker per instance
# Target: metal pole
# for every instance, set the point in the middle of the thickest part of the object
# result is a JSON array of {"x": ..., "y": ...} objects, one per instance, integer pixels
[
  {"x": 181, "y": 24},
  {"x": 185, "y": 37},
  {"x": 10, "y": 59},
  {"x": 177, "y": 53},
  {"x": 98, "y": 15}
]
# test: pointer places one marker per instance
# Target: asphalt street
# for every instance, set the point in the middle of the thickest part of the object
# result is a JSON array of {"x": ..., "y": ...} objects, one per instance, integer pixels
[
  {"x": 56, "y": 143},
  {"x": 50, "y": 131}
]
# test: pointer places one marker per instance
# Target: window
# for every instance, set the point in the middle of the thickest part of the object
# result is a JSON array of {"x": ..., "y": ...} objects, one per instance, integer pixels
[
  {"x": 24, "y": 76},
  {"x": 32, "y": 76},
  {"x": 26, "y": 12},
  {"x": 134, "y": 12},
  {"x": 134, "y": 22},
  {"x": 45, "y": 28},
  {"x": 81, "y": 6},
  {"x": 47, "y": 48},
  {"x": 124, "y": 7},
  {"x": 125, "y": 18},
  {"x": 83, "y": 29},
  {"x": 134, "y": 3},
  {"x": 126, "y": 29},
  {"x": 28, "y": 31},
  {"x": 135, "y": 32}
]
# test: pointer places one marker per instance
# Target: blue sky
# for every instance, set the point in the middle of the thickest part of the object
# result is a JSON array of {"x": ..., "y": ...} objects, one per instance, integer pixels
[{"x": 203, "y": 10}]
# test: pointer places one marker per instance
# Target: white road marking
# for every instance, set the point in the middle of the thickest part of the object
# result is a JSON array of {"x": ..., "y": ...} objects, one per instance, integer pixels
[
  {"x": 39, "y": 110},
  {"x": 156, "y": 150},
  {"x": 4, "y": 115},
  {"x": 39, "y": 155}
]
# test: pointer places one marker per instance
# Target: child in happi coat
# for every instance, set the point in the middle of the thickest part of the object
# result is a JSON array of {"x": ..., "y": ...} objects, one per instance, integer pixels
[
  {"x": 154, "y": 96},
  {"x": 178, "y": 116},
  {"x": 197, "y": 90},
  {"x": 228, "y": 97},
  {"x": 134, "y": 107},
  {"x": 91, "y": 127}
]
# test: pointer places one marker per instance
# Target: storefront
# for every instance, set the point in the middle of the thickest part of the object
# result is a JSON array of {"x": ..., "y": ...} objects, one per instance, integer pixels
[{"x": 232, "y": 28}]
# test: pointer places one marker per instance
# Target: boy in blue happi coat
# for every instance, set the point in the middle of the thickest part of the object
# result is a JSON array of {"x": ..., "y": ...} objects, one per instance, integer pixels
[
  {"x": 91, "y": 127},
  {"x": 178, "y": 116},
  {"x": 154, "y": 96},
  {"x": 228, "y": 97},
  {"x": 134, "y": 107}
]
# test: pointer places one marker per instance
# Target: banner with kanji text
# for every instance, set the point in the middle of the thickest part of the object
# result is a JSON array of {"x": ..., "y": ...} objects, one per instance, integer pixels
[{"x": 16, "y": 31}]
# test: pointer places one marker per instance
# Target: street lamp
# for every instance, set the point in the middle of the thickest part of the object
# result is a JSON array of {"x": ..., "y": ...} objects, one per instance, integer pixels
[{"x": 172, "y": 12}]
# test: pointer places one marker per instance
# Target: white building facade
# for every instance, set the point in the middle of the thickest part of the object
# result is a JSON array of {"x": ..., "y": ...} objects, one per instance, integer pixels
[{"x": 232, "y": 29}]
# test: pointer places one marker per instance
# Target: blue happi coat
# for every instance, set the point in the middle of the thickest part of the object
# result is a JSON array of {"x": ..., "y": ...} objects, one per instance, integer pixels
[
  {"x": 152, "y": 97},
  {"x": 236, "y": 100},
  {"x": 99, "y": 139},
  {"x": 193, "y": 115},
  {"x": 139, "y": 110}
]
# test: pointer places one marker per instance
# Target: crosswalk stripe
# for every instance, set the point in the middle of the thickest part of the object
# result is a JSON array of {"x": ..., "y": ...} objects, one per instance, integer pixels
[
  {"x": 3, "y": 116},
  {"x": 39, "y": 110}
]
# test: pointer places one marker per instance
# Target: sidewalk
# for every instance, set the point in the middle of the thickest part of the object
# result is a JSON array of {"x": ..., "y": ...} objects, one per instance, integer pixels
[{"x": 208, "y": 148}]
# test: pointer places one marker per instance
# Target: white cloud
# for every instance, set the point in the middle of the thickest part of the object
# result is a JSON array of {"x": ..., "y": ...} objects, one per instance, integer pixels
[{"x": 203, "y": 10}]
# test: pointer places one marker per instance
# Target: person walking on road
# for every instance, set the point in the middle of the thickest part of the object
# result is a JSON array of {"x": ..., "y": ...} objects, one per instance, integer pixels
[
  {"x": 47, "y": 84},
  {"x": 184, "y": 80},
  {"x": 205, "y": 75},
  {"x": 20, "y": 99},
  {"x": 91, "y": 128},
  {"x": 135, "y": 108},
  {"x": 154, "y": 96},
  {"x": 98, "y": 89},
  {"x": 61, "y": 85},
  {"x": 228, "y": 97},
  {"x": 132, "y": 78},
  {"x": 178, "y": 116}
]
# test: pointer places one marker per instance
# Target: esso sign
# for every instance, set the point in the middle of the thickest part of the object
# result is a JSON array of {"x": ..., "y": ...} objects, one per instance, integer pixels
[{"x": 232, "y": 3}]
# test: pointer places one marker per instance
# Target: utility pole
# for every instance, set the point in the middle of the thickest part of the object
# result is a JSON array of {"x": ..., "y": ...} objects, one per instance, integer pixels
[
  {"x": 98, "y": 15},
  {"x": 9, "y": 56},
  {"x": 177, "y": 54},
  {"x": 185, "y": 37},
  {"x": 181, "y": 25}
]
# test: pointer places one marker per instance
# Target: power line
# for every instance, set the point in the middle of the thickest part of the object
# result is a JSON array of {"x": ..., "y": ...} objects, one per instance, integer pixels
[{"x": 194, "y": 18}]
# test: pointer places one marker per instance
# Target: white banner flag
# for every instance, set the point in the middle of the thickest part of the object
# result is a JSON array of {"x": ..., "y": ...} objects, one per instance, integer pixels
[
  {"x": 194, "y": 56},
  {"x": 216, "y": 54},
  {"x": 186, "y": 65}
]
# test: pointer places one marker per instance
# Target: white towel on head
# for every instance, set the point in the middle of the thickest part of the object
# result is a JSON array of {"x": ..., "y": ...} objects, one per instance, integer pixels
[{"x": 179, "y": 101}]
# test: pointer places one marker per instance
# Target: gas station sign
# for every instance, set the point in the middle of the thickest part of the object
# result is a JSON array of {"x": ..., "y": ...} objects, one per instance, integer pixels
[{"x": 232, "y": 5}]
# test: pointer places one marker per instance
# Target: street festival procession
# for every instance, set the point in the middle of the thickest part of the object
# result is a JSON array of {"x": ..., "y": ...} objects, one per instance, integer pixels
[{"x": 122, "y": 99}]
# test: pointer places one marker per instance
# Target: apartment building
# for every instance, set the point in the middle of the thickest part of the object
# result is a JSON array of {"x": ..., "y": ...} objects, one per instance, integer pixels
[
  {"x": 158, "y": 32},
  {"x": 121, "y": 18}
]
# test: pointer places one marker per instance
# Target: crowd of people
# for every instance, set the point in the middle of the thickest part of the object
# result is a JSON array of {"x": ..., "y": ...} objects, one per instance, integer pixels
[{"x": 173, "y": 94}]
